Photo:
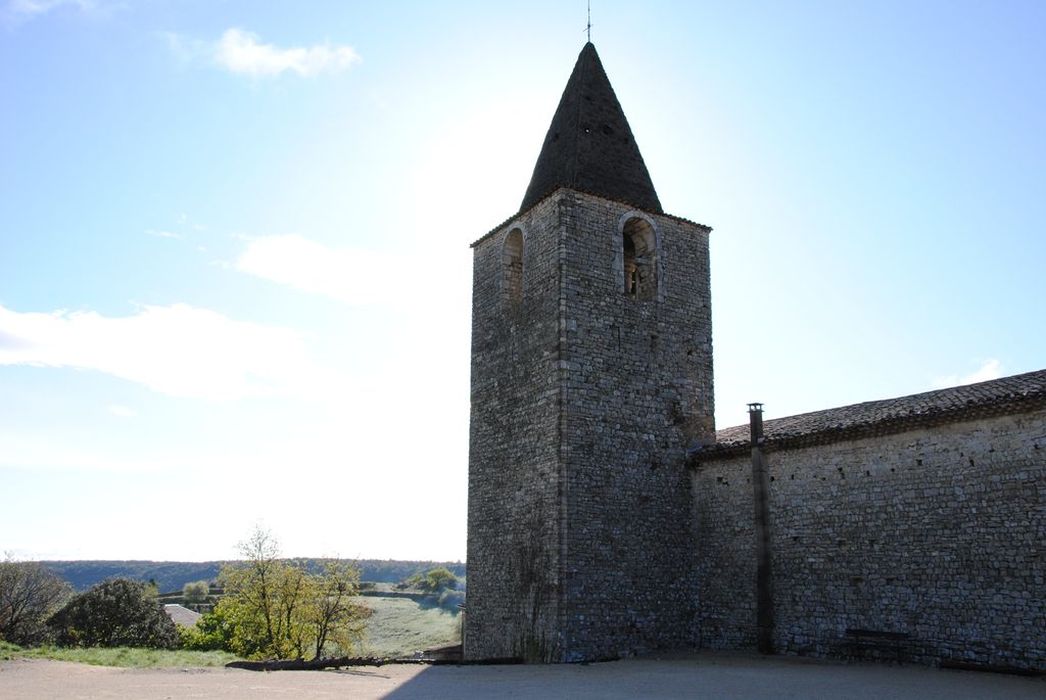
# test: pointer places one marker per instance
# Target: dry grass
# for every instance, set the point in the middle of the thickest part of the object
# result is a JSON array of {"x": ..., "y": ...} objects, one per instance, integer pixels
[{"x": 400, "y": 627}]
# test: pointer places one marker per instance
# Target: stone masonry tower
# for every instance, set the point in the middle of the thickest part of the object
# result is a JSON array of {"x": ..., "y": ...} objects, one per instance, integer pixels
[{"x": 591, "y": 376}]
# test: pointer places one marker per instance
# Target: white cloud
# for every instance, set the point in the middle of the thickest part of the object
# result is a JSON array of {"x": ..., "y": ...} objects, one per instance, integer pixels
[
  {"x": 28, "y": 8},
  {"x": 161, "y": 234},
  {"x": 176, "y": 350},
  {"x": 240, "y": 51},
  {"x": 353, "y": 276},
  {"x": 991, "y": 369},
  {"x": 122, "y": 411}
]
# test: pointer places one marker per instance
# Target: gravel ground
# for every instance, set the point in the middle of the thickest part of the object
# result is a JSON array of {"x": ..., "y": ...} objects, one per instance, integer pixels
[{"x": 705, "y": 675}]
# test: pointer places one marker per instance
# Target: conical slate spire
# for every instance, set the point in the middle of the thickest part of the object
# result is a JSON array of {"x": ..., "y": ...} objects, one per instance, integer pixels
[{"x": 589, "y": 146}]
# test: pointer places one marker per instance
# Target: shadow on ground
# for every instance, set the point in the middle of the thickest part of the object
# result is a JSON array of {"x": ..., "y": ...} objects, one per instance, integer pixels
[{"x": 715, "y": 676}]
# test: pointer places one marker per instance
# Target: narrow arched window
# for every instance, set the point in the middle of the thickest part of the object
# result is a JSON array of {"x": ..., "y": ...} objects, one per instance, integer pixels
[
  {"x": 639, "y": 255},
  {"x": 512, "y": 268}
]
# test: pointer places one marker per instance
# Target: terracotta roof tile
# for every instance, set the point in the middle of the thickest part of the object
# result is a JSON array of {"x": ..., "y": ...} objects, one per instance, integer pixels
[{"x": 1016, "y": 394}]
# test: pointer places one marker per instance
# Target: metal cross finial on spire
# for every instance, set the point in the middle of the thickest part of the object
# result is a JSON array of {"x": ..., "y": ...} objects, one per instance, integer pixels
[{"x": 588, "y": 28}]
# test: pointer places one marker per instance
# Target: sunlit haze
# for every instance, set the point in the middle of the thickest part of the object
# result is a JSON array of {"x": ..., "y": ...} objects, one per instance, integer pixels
[{"x": 235, "y": 275}]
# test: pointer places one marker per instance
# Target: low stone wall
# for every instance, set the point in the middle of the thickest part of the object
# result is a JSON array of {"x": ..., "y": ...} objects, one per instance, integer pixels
[{"x": 936, "y": 534}]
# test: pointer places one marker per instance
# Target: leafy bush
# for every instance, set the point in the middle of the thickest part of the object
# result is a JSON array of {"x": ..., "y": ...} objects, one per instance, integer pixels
[
  {"x": 115, "y": 613},
  {"x": 196, "y": 592},
  {"x": 434, "y": 580},
  {"x": 214, "y": 631},
  {"x": 29, "y": 594}
]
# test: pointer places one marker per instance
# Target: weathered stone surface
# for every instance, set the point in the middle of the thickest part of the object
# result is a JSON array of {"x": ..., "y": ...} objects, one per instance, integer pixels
[
  {"x": 584, "y": 400},
  {"x": 513, "y": 502},
  {"x": 937, "y": 533}
]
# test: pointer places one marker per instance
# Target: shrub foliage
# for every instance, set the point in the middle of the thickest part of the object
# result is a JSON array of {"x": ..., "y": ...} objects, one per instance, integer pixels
[
  {"x": 432, "y": 581},
  {"x": 29, "y": 594},
  {"x": 115, "y": 613},
  {"x": 196, "y": 591},
  {"x": 214, "y": 631}
]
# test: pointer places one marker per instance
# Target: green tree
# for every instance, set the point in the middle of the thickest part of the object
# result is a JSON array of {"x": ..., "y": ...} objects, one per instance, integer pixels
[
  {"x": 212, "y": 632},
  {"x": 440, "y": 579},
  {"x": 333, "y": 614},
  {"x": 29, "y": 594},
  {"x": 261, "y": 602},
  {"x": 433, "y": 581},
  {"x": 196, "y": 592},
  {"x": 278, "y": 610},
  {"x": 115, "y": 613}
]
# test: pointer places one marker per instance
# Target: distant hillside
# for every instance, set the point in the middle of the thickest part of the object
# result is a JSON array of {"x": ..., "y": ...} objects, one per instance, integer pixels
[{"x": 172, "y": 575}]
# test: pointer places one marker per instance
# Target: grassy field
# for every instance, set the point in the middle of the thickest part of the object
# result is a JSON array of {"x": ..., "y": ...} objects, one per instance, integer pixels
[
  {"x": 120, "y": 656},
  {"x": 400, "y": 627}
]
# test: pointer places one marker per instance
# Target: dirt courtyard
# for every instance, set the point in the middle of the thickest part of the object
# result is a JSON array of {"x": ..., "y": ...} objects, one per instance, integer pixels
[{"x": 704, "y": 675}]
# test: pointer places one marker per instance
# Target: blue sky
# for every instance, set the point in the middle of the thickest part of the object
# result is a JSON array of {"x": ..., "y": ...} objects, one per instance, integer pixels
[{"x": 234, "y": 264}]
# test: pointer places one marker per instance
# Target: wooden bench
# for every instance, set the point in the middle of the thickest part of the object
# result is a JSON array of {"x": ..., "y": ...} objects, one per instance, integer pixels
[{"x": 879, "y": 640}]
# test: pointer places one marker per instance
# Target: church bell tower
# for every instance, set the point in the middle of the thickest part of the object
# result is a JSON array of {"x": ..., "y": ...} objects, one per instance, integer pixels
[{"x": 591, "y": 377}]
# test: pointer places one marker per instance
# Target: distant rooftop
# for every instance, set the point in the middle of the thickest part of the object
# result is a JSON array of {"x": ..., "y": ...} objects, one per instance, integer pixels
[
  {"x": 181, "y": 615},
  {"x": 1021, "y": 392},
  {"x": 589, "y": 146}
]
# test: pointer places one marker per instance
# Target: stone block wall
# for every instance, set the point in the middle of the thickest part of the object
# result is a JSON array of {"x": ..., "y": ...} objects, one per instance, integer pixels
[
  {"x": 636, "y": 383},
  {"x": 584, "y": 400},
  {"x": 936, "y": 532},
  {"x": 513, "y": 500}
]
